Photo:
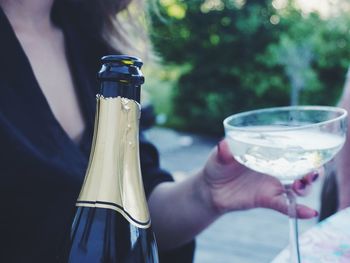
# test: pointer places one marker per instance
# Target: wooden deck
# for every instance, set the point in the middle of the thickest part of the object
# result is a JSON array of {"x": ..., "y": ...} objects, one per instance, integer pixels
[{"x": 254, "y": 236}]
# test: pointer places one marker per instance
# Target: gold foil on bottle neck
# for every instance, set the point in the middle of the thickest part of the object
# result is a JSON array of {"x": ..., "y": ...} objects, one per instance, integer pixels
[{"x": 113, "y": 178}]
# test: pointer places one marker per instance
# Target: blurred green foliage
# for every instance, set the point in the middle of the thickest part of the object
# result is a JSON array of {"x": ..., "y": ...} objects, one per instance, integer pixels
[{"x": 247, "y": 54}]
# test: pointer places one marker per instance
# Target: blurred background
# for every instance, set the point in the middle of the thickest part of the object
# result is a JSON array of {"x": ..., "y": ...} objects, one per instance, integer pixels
[{"x": 219, "y": 57}]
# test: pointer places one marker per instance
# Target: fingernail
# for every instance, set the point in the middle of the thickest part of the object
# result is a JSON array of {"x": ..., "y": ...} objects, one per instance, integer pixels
[
  {"x": 220, "y": 159},
  {"x": 314, "y": 177},
  {"x": 223, "y": 156},
  {"x": 310, "y": 213},
  {"x": 301, "y": 185}
]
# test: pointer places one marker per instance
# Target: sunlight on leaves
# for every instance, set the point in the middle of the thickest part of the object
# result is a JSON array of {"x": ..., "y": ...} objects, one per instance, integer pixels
[
  {"x": 225, "y": 21},
  {"x": 214, "y": 39},
  {"x": 240, "y": 3},
  {"x": 174, "y": 8},
  {"x": 274, "y": 19},
  {"x": 279, "y": 4},
  {"x": 211, "y": 5}
]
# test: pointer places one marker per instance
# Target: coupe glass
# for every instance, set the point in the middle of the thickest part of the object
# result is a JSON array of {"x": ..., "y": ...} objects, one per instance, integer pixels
[{"x": 287, "y": 143}]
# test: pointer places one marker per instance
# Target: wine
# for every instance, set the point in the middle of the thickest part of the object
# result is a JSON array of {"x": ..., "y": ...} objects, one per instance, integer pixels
[
  {"x": 285, "y": 154},
  {"x": 112, "y": 222}
]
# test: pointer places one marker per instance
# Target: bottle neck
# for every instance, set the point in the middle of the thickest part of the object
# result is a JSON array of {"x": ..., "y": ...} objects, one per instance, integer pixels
[
  {"x": 113, "y": 178},
  {"x": 113, "y": 89}
]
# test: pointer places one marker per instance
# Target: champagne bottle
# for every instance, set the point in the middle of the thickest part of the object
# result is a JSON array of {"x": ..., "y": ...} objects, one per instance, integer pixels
[{"x": 112, "y": 222}]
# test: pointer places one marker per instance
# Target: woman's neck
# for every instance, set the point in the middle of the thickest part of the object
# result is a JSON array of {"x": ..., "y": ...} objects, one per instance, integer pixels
[{"x": 28, "y": 14}]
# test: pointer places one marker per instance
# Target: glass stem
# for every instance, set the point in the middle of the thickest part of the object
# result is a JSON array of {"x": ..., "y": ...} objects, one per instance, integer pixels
[{"x": 293, "y": 225}]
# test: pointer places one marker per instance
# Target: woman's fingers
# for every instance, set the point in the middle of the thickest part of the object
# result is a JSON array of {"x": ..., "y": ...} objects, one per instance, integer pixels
[
  {"x": 224, "y": 155},
  {"x": 303, "y": 186},
  {"x": 280, "y": 204},
  {"x": 303, "y": 212}
]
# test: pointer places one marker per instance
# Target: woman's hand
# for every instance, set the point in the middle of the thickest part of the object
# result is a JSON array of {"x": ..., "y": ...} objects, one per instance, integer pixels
[
  {"x": 231, "y": 186},
  {"x": 181, "y": 210}
]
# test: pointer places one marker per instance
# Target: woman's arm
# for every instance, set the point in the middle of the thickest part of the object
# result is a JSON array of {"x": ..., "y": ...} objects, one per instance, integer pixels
[
  {"x": 343, "y": 158},
  {"x": 181, "y": 210}
]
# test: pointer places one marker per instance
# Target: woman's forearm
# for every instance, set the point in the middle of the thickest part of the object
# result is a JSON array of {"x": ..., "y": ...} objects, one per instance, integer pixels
[
  {"x": 343, "y": 158},
  {"x": 180, "y": 210},
  {"x": 343, "y": 177}
]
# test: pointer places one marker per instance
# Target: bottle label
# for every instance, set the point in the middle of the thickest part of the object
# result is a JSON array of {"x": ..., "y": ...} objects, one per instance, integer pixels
[{"x": 113, "y": 178}]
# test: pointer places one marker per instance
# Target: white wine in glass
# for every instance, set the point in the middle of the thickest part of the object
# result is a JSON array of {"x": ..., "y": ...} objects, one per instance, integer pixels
[{"x": 287, "y": 143}]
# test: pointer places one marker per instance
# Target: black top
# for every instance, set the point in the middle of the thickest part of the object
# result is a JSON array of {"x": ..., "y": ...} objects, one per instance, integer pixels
[{"x": 41, "y": 168}]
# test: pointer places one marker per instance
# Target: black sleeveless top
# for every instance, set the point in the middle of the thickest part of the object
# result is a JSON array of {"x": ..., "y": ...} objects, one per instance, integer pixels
[{"x": 41, "y": 168}]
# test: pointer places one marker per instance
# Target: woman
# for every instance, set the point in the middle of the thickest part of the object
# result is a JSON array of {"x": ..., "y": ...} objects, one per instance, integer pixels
[
  {"x": 50, "y": 53},
  {"x": 336, "y": 188}
]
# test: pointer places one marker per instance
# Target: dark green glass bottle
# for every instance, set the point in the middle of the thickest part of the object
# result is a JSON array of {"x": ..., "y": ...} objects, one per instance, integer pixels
[{"x": 112, "y": 222}]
